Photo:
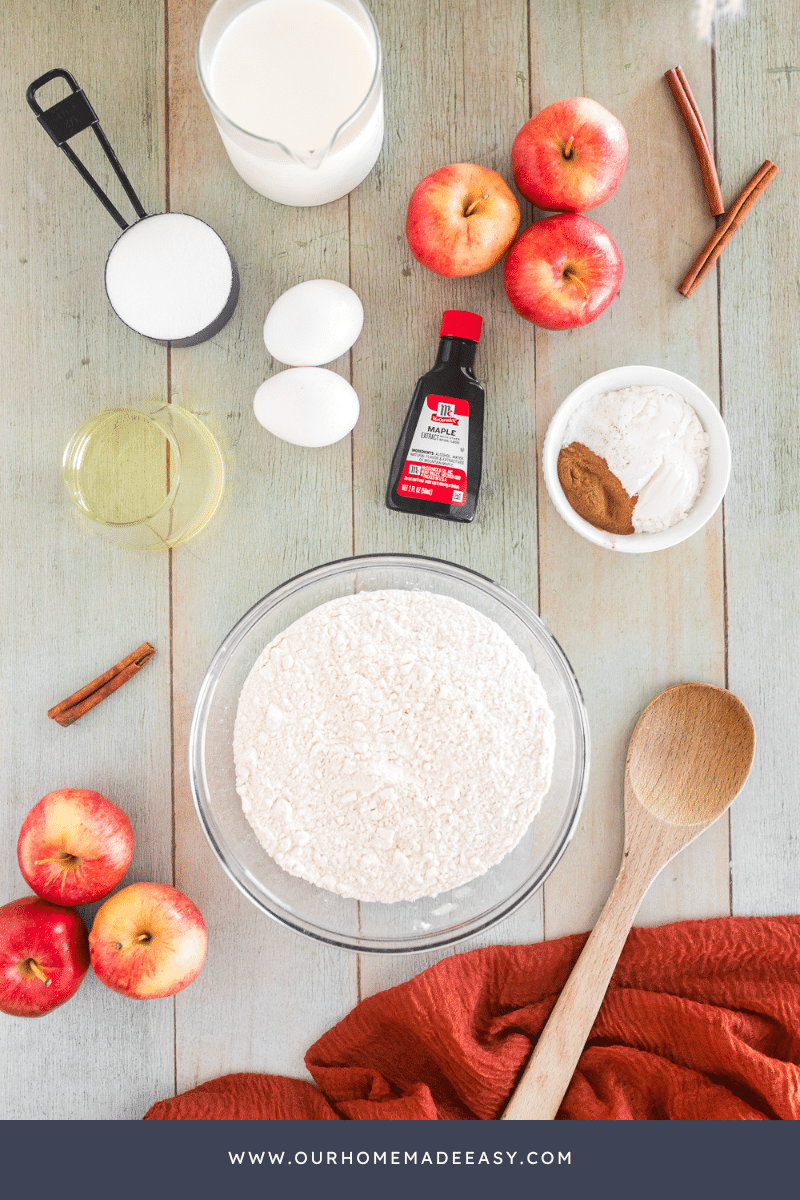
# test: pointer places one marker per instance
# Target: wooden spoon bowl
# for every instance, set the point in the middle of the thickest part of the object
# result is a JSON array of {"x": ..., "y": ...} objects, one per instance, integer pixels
[
  {"x": 688, "y": 759},
  {"x": 690, "y": 754}
]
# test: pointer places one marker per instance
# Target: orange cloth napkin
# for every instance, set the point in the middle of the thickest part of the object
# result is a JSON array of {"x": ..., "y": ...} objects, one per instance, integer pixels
[{"x": 701, "y": 1022}]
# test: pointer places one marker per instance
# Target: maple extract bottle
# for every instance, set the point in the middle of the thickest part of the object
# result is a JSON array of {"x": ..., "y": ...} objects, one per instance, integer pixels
[{"x": 436, "y": 469}]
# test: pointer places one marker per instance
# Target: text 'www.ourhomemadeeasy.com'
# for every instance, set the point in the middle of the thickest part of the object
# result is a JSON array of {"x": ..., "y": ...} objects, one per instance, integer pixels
[{"x": 400, "y": 1158}]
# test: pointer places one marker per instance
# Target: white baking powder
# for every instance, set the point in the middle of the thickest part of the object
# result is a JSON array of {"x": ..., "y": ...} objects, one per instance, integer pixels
[
  {"x": 391, "y": 745},
  {"x": 652, "y": 440}
]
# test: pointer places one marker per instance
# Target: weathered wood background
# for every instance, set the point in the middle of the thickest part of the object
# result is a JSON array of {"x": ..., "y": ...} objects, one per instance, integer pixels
[{"x": 461, "y": 77}]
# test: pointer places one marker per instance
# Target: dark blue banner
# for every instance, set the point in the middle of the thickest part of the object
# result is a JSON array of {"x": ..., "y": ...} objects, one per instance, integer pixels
[{"x": 474, "y": 1160}]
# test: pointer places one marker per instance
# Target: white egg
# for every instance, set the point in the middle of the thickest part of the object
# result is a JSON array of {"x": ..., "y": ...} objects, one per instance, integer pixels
[
  {"x": 307, "y": 406},
  {"x": 313, "y": 323}
]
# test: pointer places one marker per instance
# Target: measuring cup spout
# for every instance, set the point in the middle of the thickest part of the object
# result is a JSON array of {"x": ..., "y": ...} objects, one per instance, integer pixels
[{"x": 313, "y": 159}]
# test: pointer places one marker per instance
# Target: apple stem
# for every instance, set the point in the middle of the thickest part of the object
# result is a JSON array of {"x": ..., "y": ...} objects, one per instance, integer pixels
[
  {"x": 140, "y": 937},
  {"x": 568, "y": 148},
  {"x": 475, "y": 204},
  {"x": 64, "y": 859},
  {"x": 38, "y": 972},
  {"x": 571, "y": 277}
]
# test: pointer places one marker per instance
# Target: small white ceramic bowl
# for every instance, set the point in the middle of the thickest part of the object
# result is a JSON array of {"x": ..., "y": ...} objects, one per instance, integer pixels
[{"x": 717, "y": 471}]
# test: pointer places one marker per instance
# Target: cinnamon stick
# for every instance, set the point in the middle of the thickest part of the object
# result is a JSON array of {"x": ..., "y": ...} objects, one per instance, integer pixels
[
  {"x": 87, "y": 697},
  {"x": 727, "y": 227},
  {"x": 679, "y": 86}
]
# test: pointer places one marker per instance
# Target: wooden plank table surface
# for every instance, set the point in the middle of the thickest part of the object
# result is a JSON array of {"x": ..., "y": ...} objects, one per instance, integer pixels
[{"x": 461, "y": 77}]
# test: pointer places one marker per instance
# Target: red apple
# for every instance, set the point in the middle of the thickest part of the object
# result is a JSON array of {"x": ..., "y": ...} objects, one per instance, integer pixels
[
  {"x": 74, "y": 846},
  {"x": 44, "y": 955},
  {"x": 461, "y": 219},
  {"x": 562, "y": 272},
  {"x": 570, "y": 156},
  {"x": 147, "y": 941}
]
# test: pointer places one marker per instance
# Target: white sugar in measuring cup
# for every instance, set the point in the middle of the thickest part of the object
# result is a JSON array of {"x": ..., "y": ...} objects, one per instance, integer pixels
[{"x": 168, "y": 276}]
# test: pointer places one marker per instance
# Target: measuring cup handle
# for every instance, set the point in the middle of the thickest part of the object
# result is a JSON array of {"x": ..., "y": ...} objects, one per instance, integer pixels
[
  {"x": 70, "y": 116},
  {"x": 66, "y": 117}
]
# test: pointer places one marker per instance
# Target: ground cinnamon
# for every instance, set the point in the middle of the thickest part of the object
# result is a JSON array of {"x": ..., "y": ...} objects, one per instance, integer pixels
[
  {"x": 593, "y": 490},
  {"x": 727, "y": 227},
  {"x": 88, "y": 697}
]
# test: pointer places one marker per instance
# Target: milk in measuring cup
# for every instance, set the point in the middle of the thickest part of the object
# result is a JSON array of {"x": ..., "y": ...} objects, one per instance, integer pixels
[{"x": 296, "y": 92}]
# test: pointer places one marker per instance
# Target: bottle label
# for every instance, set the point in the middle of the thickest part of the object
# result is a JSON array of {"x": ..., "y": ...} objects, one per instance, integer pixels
[{"x": 436, "y": 467}]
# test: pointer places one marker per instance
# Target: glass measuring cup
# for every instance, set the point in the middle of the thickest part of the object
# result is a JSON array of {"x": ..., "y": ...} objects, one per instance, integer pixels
[
  {"x": 150, "y": 477},
  {"x": 314, "y": 43}
]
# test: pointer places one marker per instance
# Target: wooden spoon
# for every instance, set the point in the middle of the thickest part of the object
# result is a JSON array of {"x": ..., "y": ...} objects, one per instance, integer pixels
[{"x": 688, "y": 759}]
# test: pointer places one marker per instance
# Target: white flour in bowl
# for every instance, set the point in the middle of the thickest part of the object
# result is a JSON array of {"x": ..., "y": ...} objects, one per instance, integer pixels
[{"x": 391, "y": 745}]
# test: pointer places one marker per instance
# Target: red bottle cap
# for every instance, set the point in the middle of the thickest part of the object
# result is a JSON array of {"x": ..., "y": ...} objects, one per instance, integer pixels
[{"x": 457, "y": 323}]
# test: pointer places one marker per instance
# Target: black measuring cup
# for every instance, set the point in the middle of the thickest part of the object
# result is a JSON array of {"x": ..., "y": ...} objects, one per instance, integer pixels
[{"x": 169, "y": 276}]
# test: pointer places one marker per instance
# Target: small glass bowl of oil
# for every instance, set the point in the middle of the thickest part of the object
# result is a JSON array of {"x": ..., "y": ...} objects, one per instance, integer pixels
[{"x": 151, "y": 477}]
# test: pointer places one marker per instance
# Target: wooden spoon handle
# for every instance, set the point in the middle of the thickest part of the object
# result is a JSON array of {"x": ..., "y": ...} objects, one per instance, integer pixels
[{"x": 541, "y": 1088}]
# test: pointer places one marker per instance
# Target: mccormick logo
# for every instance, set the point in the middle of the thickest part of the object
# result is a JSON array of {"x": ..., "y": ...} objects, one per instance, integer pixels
[{"x": 445, "y": 414}]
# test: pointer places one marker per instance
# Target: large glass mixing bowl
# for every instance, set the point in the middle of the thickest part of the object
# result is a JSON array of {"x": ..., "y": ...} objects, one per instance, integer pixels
[{"x": 405, "y": 927}]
